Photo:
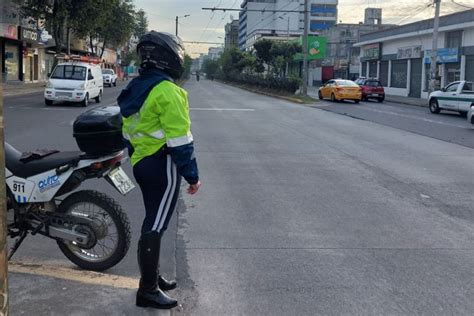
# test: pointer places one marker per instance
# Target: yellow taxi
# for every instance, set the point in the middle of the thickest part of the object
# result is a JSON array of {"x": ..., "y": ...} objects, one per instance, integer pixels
[{"x": 340, "y": 89}]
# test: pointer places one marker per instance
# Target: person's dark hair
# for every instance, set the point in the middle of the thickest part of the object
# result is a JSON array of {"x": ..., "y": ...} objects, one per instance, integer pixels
[{"x": 163, "y": 51}]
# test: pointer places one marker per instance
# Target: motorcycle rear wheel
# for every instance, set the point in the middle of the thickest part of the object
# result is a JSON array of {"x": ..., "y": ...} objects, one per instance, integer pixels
[{"x": 111, "y": 224}]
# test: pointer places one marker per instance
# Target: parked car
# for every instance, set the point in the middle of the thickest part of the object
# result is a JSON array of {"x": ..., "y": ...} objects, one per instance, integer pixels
[
  {"x": 371, "y": 89},
  {"x": 74, "y": 81},
  {"x": 470, "y": 115},
  {"x": 110, "y": 77},
  {"x": 458, "y": 96},
  {"x": 340, "y": 89}
]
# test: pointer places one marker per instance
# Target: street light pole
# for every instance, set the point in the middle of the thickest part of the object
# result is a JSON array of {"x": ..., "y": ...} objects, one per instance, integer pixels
[
  {"x": 305, "y": 50},
  {"x": 177, "y": 21},
  {"x": 3, "y": 222},
  {"x": 434, "y": 49}
]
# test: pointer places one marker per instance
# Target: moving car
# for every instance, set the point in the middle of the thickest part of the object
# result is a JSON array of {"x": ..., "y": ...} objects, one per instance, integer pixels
[
  {"x": 371, "y": 89},
  {"x": 458, "y": 96},
  {"x": 340, "y": 89},
  {"x": 74, "y": 81},
  {"x": 110, "y": 77}
]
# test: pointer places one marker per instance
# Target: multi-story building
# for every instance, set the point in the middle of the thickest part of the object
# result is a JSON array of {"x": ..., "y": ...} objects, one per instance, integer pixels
[
  {"x": 215, "y": 52},
  {"x": 232, "y": 34},
  {"x": 254, "y": 25},
  {"x": 24, "y": 45},
  {"x": 400, "y": 56},
  {"x": 342, "y": 58},
  {"x": 323, "y": 15}
]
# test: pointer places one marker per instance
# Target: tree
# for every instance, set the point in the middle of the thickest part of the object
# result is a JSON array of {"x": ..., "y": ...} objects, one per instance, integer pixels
[
  {"x": 57, "y": 13},
  {"x": 187, "y": 66},
  {"x": 262, "y": 50},
  {"x": 141, "y": 24},
  {"x": 211, "y": 68}
]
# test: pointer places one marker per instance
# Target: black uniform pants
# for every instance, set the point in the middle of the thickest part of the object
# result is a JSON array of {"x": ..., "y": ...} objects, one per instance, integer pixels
[{"x": 159, "y": 182}]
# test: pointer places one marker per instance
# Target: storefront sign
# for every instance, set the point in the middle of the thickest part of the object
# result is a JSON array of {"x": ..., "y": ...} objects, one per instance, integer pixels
[
  {"x": 316, "y": 48},
  {"x": 8, "y": 31},
  {"x": 27, "y": 34},
  {"x": 371, "y": 51},
  {"x": 444, "y": 56},
  {"x": 409, "y": 52}
]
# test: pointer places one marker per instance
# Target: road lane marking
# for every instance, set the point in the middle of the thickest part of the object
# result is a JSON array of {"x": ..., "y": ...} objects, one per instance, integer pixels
[
  {"x": 69, "y": 274},
  {"x": 404, "y": 116},
  {"x": 221, "y": 109}
]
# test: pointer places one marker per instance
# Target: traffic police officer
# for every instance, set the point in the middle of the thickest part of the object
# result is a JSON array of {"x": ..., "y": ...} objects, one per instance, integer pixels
[{"x": 156, "y": 127}]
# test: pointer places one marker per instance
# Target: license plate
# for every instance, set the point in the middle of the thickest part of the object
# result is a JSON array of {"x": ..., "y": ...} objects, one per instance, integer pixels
[
  {"x": 121, "y": 181},
  {"x": 375, "y": 94}
]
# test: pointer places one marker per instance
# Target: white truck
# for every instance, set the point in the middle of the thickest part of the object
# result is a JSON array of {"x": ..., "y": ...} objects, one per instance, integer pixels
[
  {"x": 458, "y": 96},
  {"x": 110, "y": 77}
]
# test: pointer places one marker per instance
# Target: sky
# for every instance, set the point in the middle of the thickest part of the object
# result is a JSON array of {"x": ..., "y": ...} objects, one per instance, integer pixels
[{"x": 206, "y": 26}]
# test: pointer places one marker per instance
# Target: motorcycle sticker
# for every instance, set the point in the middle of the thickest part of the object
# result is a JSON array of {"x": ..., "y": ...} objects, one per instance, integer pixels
[{"x": 21, "y": 188}]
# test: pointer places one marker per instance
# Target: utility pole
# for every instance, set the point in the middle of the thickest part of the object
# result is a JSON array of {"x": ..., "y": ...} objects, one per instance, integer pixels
[
  {"x": 177, "y": 21},
  {"x": 305, "y": 49},
  {"x": 3, "y": 222},
  {"x": 288, "y": 29},
  {"x": 434, "y": 49}
]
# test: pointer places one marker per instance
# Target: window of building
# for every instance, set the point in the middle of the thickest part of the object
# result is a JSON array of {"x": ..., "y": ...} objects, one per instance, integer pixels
[
  {"x": 399, "y": 74},
  {"x": 470, "y": 68},
  {"x": 383, "y": 77},
  {"x": 453, "y": 71},
  {"x": 363, "y": 69},
  {"x": 12, "y": 61},
  {"x": 323, "y": 10},
  {"x": 454, "y": 39}
]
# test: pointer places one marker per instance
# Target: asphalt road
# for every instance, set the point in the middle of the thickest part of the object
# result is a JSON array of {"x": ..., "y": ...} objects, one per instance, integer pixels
[
  {"x": 302, "y": 211},
  {"x": 447, "y": 126}
]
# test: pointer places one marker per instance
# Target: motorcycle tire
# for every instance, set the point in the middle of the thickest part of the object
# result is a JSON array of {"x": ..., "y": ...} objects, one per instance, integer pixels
[{"x": 119, "y": 219}]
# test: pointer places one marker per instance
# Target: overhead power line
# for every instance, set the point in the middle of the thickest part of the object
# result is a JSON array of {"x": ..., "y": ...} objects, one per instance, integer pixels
[
  {"x": 254, "y": 10},
  {"x": 461, "y": 5},
  {"x": 200, "y": 42}
]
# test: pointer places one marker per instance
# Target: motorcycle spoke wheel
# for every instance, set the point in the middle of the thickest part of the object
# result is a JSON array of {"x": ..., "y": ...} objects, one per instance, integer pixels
[{"x": 109, "y": 234}]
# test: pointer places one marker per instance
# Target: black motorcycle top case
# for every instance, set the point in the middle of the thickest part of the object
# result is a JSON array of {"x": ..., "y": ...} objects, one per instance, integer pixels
[{"x": 99, "y": 131}]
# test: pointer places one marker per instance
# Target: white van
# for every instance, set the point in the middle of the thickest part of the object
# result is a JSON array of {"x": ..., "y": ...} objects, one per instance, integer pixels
[{"x": 75, "y": 82}]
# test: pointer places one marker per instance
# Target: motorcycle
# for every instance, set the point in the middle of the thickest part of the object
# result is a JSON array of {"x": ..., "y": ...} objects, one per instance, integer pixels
[{"x": 90, "y": 228}]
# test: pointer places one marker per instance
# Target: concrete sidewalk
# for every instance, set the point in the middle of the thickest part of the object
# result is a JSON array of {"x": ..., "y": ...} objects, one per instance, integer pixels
[
  {"x": 41, "y": 290},
  {"x": 20, "y": 88}
]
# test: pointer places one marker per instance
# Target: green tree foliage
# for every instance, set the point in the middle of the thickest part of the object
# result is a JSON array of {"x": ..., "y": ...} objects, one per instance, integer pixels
[
  {"x": 55, "y": 12},
  {"x": 110, "y": 22},
  {"x": 211, "y": 68},
  {"x": 141, "y": 24},
  {"x": 187, "y": 66}
]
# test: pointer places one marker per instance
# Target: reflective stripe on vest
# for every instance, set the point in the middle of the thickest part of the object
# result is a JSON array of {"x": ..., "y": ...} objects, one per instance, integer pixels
[
  {"x": 180, "y": 141},
  {"x": 159, "y": 134}
]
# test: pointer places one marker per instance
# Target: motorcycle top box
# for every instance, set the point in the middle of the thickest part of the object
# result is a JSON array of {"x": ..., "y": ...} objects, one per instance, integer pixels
[{"x": 99, "y": 131}]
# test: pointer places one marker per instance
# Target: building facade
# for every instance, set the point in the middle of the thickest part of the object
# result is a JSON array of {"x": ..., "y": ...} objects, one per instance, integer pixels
[
  {"x": 232, "y": 34},
  {"x": 256, "y": 24},
  {"x": 400, "y": 56},
  {"x": 323, "y": 15},
  {"x": 215, "y": 52}
]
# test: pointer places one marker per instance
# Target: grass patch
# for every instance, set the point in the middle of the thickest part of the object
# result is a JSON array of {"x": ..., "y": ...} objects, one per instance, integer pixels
[{"x": 275, "y": 93}]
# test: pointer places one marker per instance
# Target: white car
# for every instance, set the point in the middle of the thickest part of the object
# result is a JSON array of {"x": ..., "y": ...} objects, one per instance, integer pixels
[
  {"x": 457, "y": 96},
  {"x": 110, "y": 77},
  {"x": 470, "y": 115},
  {"x": 74, "y": 82}
]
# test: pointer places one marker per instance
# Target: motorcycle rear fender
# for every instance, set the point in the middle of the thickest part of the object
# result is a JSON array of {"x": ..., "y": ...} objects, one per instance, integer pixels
[{"x": 44, "y": 186}]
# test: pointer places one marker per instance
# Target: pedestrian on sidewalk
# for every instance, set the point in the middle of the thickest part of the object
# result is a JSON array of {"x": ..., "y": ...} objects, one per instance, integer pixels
[{"x": 156, "y": 126}]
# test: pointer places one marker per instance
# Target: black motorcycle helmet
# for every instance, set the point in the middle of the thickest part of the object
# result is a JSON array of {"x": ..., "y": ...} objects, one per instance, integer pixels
[{"x": 163, "y": 51}]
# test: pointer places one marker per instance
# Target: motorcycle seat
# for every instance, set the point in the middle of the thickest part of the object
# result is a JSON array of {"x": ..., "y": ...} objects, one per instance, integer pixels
[{"x": 31, "y": 168}]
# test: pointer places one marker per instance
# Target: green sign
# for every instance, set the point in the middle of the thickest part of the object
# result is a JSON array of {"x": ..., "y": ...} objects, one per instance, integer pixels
[{"x": 316, "y": 48}]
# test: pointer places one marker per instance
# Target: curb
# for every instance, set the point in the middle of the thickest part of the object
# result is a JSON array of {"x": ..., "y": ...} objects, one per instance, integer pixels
[
  {"x": 405, "y": 102},
  {"x": 268, "y": 94}
]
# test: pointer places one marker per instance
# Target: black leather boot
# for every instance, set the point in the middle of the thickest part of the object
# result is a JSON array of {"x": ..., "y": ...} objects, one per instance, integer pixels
[
  {"x": 166, "y": 285},
  {"x": 149, "y": 294}
]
